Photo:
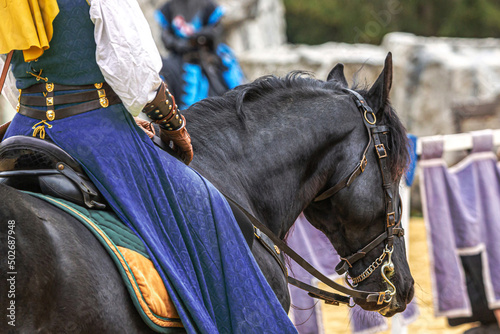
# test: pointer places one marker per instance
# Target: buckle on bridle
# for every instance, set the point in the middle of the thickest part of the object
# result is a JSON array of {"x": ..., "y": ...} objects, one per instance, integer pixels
[
  {"x": 391, "y": 219},
  {"x": 381, "y": 151},
  {"x": 381, "y": 298},
  {"x": 346, "y": 261},
  {"x": 363, "y": 163}
]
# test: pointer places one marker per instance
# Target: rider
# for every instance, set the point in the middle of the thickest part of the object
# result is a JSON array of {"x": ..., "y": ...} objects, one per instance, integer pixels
[
  {"x": 86, "y": 69},
  {"x": 198, "y": 65}
]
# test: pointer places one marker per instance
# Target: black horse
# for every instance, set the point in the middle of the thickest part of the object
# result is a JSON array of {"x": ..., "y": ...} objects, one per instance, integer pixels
[{"x": 272, "y": 145}]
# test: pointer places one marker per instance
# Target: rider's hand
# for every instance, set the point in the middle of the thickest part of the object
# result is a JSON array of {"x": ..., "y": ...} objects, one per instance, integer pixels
[
  {"x": 145, "y": 126},
  {"x": 164, "y": 112},
  {"x": 181, "y": 140}
]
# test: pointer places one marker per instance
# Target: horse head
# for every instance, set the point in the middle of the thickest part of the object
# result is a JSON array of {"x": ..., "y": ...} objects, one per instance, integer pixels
[
  {"x": 278, "y": 146},
  {"x": 358, "y": 207}
]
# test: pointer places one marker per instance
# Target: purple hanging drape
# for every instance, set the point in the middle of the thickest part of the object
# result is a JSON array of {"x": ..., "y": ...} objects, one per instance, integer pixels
[{"x": 462, "y": 213}]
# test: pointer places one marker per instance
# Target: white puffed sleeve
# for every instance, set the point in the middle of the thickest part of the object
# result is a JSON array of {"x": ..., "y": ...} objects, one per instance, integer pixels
[{"x": 126, "y": 52}]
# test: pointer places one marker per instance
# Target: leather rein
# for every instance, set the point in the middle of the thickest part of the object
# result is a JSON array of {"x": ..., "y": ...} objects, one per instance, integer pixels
[{"x": 392, "y": 227}]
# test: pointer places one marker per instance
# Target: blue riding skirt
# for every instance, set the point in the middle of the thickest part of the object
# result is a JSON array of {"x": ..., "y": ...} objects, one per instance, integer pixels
[{"x": 186, "y": 224}]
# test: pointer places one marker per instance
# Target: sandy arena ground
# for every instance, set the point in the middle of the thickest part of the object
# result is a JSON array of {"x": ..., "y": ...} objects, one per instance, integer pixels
[{"x": 336, "y": 319}]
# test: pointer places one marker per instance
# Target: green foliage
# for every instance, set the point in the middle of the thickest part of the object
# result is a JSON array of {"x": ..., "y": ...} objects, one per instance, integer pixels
[{"x": 357, "y": 21}]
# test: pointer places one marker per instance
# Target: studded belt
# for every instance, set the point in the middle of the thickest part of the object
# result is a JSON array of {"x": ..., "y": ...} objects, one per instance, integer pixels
[{"x": 93, "y": 97}]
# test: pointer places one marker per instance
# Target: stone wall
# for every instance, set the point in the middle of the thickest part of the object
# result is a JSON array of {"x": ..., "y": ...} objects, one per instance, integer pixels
[
  {"x": 437, "y": 75},
  {"x": 254, "y": 24},
  {"x": 318, "y": 60},
  {"x": 432, "y": 76}
]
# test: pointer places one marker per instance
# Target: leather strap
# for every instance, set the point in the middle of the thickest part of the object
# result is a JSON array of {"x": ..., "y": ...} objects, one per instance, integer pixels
[
  {"x": 329, "y": 297},
  {"x": 67, "y": 111},
  {"x": 85, "y": 186},
  {"x": 30, "y": 172},
  {"x": 89, "y": 93},
  {"x": 347, "y": 262},
  {"x": 5, "y": 69},
  {"x": 360, "y": 167},
  {"x": 271, "y": 248},
  {"x": 41, "y": 101},
  {"x": 367, "y": 295},
  {"x": 345, "y": 182},
  {"x": 42, "y": 87}
]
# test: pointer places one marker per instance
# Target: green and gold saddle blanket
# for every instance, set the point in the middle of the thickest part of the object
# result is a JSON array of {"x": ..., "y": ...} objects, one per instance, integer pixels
[{"x": 143, "y": 282}]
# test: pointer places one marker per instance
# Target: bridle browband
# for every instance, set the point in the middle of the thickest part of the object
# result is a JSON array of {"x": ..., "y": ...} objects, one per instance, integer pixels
[{"x": 392, "y": 227}]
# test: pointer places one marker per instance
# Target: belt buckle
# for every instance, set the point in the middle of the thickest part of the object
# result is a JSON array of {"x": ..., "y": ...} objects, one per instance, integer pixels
[
  {"x": 101, "y": 92},
  {"x": 50, "y": 114},
  {"x": 104, "y": 102}
]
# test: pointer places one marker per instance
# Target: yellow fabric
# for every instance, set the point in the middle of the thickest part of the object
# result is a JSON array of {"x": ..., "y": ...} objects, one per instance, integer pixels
[
  {"x": 27, "y": 25},
  {"x": 150, "y": 283}
]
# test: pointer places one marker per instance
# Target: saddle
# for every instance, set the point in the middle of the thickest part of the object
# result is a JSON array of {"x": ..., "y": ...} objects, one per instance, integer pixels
[{"x": 40, "y": 166}]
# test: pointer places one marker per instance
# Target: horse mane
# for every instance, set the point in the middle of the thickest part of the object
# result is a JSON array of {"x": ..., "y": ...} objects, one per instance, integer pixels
[
  {"x": 262, "y": 91},
  {"x": 263, "y": 88},
  {"x": 399, "y": 143}
]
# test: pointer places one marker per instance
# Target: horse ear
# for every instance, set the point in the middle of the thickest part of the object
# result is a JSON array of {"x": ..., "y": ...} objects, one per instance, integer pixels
[
  {"x": 337, "y": 74},
  {"x": 379, "y": 92}
]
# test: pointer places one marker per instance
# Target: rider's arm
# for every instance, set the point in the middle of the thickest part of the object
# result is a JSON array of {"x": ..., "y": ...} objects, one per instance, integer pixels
[
  {"x": 130, "y": 63},
  {"x": 126, "y": 52}
]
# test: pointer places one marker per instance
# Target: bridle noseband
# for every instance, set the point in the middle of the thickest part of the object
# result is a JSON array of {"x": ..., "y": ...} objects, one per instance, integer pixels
[{"x": 392, "y": 227}]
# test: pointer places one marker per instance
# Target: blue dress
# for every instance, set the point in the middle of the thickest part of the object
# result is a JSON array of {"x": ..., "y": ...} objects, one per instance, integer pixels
[{"x": 186, "y": 224}]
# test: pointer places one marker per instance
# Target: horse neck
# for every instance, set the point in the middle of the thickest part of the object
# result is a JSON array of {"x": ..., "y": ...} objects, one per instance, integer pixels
[{"x": 268, "y": 165}]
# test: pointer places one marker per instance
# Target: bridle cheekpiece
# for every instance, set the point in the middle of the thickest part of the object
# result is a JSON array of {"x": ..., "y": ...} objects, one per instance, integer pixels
[{"x": 392, "y": 227}]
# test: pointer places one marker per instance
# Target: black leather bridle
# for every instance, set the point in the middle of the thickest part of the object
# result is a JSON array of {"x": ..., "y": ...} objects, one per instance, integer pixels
[{"x": 392, "y": 226}]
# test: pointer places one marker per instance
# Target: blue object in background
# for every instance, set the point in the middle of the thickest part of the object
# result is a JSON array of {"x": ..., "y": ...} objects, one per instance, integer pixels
[{"x": 410, "y": 173}]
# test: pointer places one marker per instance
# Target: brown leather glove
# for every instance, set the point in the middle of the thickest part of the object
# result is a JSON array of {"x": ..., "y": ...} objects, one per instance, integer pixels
[
  {"x": 145, "y": 126},
  {"x": 181, "y": 140},
  {"x": 163, "y": 111}
]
